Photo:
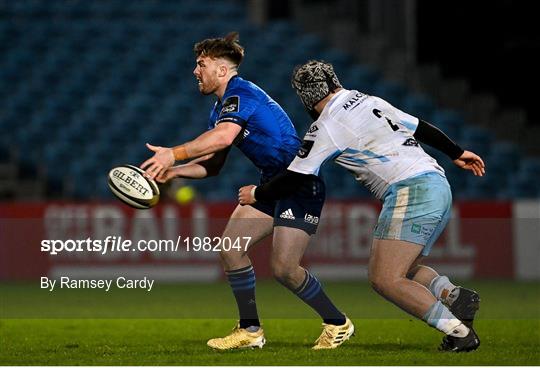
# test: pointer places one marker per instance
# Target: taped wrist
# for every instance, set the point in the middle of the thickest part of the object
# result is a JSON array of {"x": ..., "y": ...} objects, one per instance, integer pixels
[{"x": 180, "y": 153}]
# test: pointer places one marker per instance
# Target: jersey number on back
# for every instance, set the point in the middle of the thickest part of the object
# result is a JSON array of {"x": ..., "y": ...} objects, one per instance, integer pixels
[{"x": 380, "y": 114}]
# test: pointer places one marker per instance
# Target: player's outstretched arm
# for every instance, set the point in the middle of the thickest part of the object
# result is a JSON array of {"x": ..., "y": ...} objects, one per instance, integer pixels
[
  {"x": 434, "y": 137},
  {"x": 199, "y": 168},
  {"x": 191, "y": 170},
  {"x": 217, "y": 139},
  {"x": 471, "y": 161},
  {"x": 211, "y": 141}
]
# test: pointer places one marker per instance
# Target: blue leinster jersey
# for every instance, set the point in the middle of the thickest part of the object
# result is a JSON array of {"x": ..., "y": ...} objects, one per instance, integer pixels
[{"x": 268, "y": 137}]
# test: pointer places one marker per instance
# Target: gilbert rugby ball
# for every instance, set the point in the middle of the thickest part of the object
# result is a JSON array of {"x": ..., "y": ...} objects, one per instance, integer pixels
[{"x": 128, "y": 184}]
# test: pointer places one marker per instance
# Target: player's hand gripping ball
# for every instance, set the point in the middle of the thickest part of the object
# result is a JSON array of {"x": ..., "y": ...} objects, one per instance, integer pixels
[{"x": 128, "y": 184}]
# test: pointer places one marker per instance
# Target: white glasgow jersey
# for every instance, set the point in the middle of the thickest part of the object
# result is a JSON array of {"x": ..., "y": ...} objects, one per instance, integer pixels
[{"x": 367, "y": 136}]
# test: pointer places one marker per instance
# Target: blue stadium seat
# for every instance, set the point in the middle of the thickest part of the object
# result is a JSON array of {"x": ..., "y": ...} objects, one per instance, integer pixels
[
  {"x": 390, "y": 91},
  {"x": 309, "y": 45},
  {"x": 450, "y": 122},
  {"x": 360, "y": 77},
  {"x": 338, "y": 59},
  {"x": 476, "y": 139},
  {"x": 530, "y": 167},
  {"x": 104, "y": 77},
  {"x": 418, "y": 105},
  {"x": 505, "y": 154},
  {"x": 521, "y": 189},
  {"x": 498, "y": 173}
]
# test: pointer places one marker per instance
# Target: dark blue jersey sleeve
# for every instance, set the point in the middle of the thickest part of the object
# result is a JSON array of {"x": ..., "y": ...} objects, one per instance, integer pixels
[{"x": 237, "y": 107}]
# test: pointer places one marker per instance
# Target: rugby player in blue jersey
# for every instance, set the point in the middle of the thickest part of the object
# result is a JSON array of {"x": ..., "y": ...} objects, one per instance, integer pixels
[{"x": 245, "y": 116}]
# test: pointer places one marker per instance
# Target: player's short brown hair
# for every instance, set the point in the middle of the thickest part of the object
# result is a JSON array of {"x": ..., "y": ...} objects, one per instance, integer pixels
[{"x": 226, "y": 47}]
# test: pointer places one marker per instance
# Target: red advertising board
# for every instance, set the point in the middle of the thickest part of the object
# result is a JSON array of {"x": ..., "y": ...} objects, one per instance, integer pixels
[{"x": 478, "y": 241}]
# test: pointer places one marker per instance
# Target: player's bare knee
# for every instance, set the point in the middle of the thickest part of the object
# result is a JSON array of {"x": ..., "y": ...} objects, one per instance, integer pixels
[
  {"x": 380, "y": 282},
  {"x": 283, "y": 272},
  {"x": 375, "y": 283},
  {"x": 280, "y": 270},
  {"x": 232, "y": 260}
]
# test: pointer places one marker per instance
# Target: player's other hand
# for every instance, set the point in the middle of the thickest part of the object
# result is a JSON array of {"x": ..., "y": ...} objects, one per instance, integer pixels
[
  {"x": 245, "y": 195},
  {"x": 471, "y": 161},
  {"x": 162, "y": 160},
  {"x": 166, "y": 176}
]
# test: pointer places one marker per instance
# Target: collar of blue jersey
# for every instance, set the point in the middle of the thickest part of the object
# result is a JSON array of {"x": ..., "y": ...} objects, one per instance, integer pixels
[{"x": 234, "y": 77}]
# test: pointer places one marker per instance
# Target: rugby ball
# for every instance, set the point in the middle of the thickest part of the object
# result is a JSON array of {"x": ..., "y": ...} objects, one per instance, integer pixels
[{"x": 128, "y": 184}]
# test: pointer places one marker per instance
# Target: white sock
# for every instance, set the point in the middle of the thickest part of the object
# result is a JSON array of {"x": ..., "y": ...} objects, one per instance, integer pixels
[
  {"x": 442, "y": 319},
  {"x": 452, "y": 327},
  {"x": 441, "y": 288}
]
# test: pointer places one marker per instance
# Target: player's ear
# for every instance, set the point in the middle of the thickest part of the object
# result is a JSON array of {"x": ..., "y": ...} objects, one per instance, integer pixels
[{"x": 223, "y": 69}]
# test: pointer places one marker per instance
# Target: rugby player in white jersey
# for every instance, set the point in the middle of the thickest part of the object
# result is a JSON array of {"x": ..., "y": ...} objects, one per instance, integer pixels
[{"x": 378, "y": 144}]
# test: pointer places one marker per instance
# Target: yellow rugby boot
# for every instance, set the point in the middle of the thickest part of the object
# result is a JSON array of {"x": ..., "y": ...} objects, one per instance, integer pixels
[
  {"x": 333, "y": 336},
  {"x": 239, "y": 338}
]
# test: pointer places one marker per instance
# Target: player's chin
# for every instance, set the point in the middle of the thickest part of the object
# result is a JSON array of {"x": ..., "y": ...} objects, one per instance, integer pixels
[{"x": 200, "y": 86}]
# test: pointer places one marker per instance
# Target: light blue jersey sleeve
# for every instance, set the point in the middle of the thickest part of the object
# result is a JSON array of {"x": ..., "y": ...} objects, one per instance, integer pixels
[{"x": 408, "y": 121}]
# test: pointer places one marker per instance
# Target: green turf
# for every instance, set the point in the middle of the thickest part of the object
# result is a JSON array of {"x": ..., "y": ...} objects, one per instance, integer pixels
[{"x": 170, "y": 326}]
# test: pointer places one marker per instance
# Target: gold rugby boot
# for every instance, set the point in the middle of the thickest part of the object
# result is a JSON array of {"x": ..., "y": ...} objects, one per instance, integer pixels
[
  {"x": 239, "y": 338},
  {"x": 333, "y": 336}
]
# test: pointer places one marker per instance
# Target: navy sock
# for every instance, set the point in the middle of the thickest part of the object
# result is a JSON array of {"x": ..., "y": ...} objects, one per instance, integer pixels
[
  {"x": 311, "y": 292},
  {"x": 242, "y": 282}
]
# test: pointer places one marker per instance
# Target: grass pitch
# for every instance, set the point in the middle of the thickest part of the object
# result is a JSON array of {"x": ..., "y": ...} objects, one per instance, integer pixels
[{"x": 170, "y": 326}]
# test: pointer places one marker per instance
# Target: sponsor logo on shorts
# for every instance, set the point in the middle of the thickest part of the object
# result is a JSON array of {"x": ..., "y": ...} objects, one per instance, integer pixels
[
  {"x": 310, "y": 219},
  {"x": 422, "y": 230},
  {"x": 287, "y": 214}
]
